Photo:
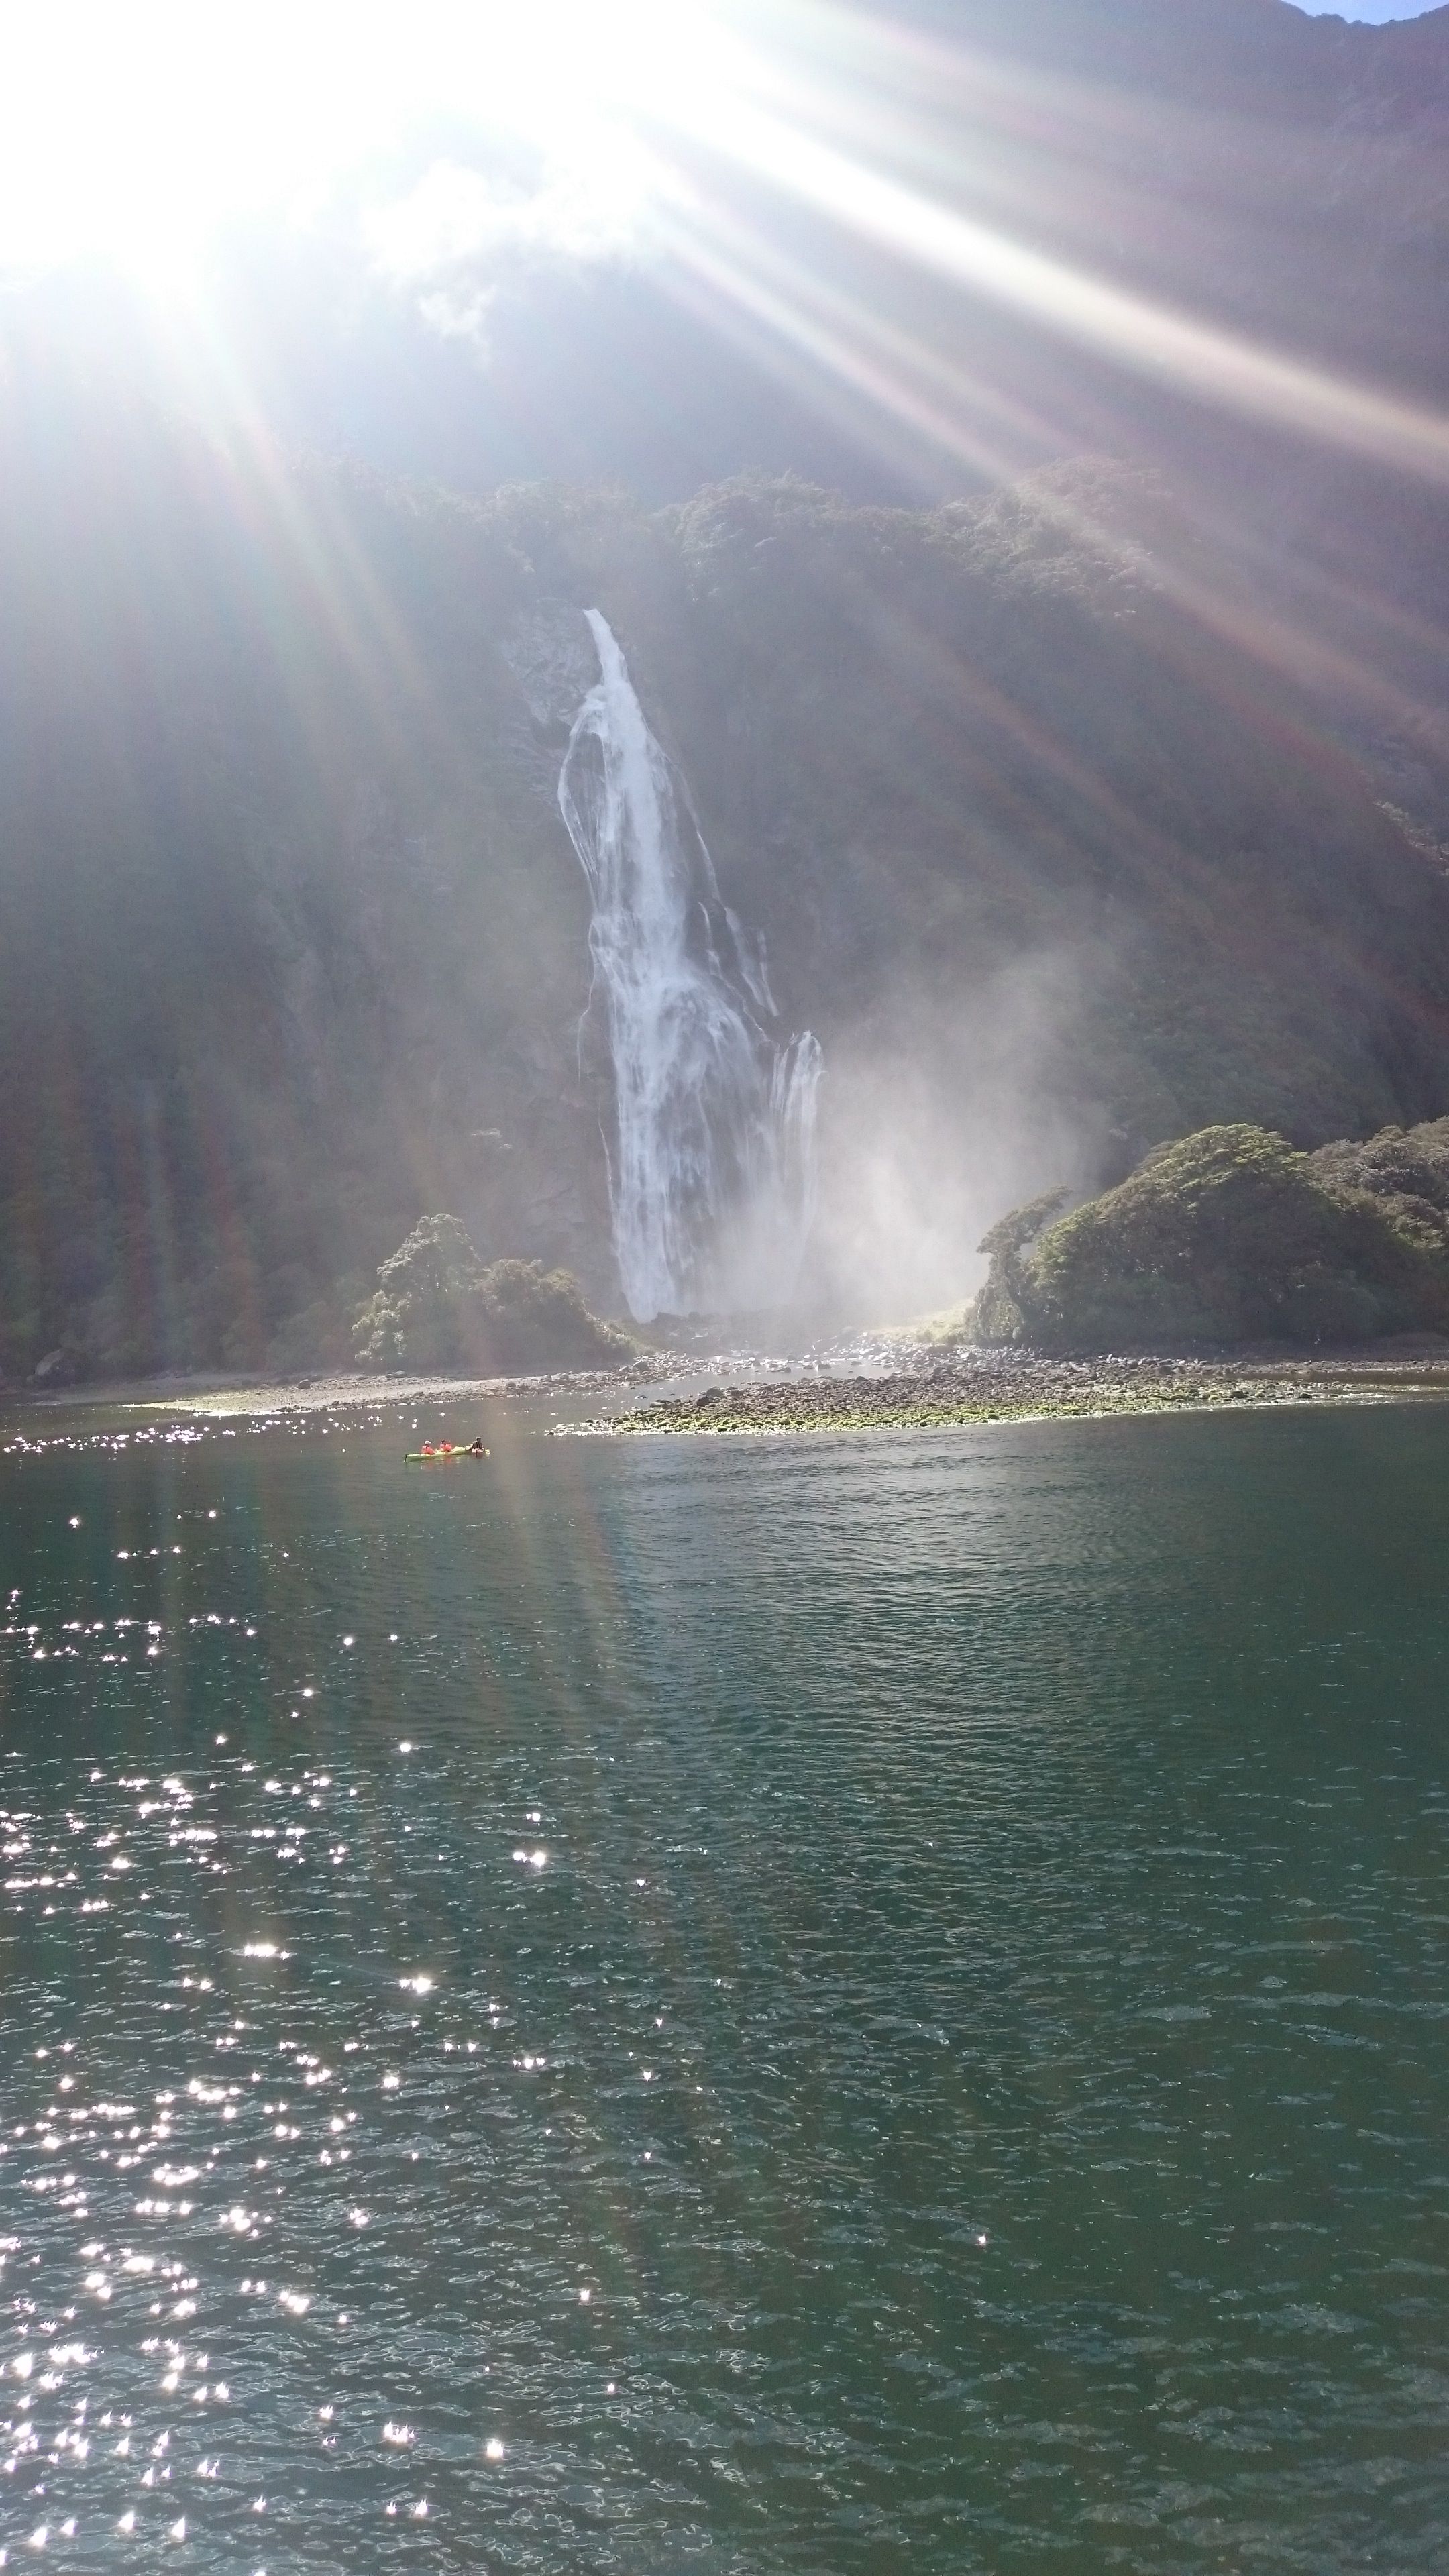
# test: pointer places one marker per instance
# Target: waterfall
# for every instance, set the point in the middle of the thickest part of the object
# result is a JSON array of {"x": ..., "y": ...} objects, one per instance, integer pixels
[{"x": 712, "y": 1162}]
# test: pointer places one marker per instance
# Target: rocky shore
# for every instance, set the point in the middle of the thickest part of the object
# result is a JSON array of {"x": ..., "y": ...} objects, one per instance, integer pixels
[{"x": 1013, "y": 1386}]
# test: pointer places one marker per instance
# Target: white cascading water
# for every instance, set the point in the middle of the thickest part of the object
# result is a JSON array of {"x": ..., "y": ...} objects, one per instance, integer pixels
[{"x": 712, "y": 1169}]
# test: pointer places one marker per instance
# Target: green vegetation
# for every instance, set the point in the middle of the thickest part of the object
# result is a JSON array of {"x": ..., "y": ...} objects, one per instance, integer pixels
[
  {"x": 1230, "y": 1236},
  {"x": 998, "y": 1311},
  {"x": 439, "y": 1308}
]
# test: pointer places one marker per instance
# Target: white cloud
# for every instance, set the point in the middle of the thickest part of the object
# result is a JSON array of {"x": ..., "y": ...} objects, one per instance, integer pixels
[{"x": 590, "y": 206}]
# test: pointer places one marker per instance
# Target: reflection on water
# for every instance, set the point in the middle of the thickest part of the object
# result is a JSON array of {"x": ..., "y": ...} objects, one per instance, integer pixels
[{"x": 755, "y": 2006}]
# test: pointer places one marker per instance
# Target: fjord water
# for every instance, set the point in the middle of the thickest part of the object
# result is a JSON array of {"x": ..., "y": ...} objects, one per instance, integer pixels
[{"x": 757, "y": 2006}]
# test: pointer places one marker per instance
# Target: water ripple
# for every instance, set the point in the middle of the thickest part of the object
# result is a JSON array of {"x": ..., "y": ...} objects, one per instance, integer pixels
[{"x": 774, "y": 2010}]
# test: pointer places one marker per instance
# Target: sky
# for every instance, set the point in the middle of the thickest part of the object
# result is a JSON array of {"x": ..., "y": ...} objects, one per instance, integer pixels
[{"x": 1371, "y": 13}]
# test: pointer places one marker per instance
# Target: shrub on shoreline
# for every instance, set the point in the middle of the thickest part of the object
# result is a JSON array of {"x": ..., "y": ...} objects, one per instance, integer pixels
[
  {"x": 439, "y": 1306},
  {"x": 1231, "y": 1236}
]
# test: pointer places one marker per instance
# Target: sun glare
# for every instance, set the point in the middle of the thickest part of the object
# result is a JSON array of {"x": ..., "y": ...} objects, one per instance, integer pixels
[
  {"x": 431, "y": 138},
  {"x": 134, "y": 132}
]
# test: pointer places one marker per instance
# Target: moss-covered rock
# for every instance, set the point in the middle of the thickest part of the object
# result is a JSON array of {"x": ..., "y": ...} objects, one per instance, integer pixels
[
  {"x": 438, "y": 1306},
  {"x": 1228, "y": 1236}
]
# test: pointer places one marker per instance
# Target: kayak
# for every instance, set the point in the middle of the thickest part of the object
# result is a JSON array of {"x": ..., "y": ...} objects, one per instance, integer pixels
[{"x": 442, "y": 1457}]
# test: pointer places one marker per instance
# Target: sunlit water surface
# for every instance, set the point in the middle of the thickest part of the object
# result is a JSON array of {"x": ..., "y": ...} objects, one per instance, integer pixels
[{"x": 822, "y": 2005}]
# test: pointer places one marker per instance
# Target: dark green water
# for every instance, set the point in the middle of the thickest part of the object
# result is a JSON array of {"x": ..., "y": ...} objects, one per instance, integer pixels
[{"x": 934, "y": 2054}]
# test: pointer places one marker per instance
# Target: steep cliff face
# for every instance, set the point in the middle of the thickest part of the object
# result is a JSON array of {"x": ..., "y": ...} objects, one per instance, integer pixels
[
  {"x": 297, "y": 947},
  {"x": 1280, "y": 171},
  {"x": 293, "y": 952},
  {"x": 932, "y": 745}
]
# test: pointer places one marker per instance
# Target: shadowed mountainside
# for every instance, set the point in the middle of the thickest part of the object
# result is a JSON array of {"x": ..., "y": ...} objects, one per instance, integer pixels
[{"x": 297, "y": 948}]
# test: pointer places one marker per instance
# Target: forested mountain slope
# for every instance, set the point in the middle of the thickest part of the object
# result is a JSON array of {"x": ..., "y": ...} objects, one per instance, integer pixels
[{"x": 296, "y": 947}]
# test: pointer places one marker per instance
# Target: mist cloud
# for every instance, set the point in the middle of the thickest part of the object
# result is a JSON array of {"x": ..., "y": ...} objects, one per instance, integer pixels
[{"x": 930, "y": 1134}]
